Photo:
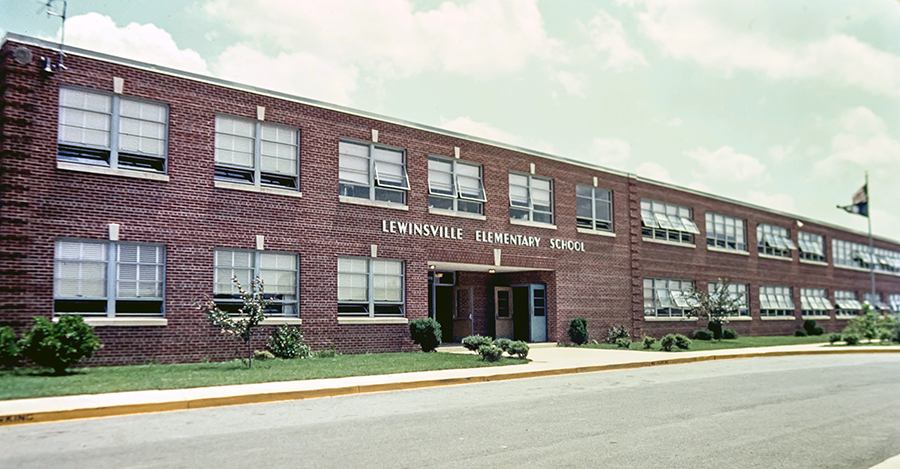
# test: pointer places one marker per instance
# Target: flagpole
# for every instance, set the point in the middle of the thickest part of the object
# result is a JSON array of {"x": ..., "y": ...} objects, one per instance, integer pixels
[{"x": 871, "y": 247}]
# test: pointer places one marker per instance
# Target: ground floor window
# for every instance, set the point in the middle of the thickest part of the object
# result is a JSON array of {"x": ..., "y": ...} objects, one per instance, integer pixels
[
  {"x": 104, "y": 278},
  {"x": 775, "y": 301},
  {"x": 847, "y": 302},
  {"x": 814, "y": 302},
  {"x": 738, "y": 291},
  {"x": 668, "y": 298},
  {"x": 370, "y": 287},
  {"x": 278, "y": 271}
]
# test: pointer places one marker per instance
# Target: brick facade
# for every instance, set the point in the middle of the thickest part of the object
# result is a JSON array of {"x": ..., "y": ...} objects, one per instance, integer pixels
[{"x": 42, "y": 202}]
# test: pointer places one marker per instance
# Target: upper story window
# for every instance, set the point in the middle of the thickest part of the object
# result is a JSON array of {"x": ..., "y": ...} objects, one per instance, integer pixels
[
  {"x": 370, "y": 287},
  {"x": 277, "y": 270},
  {"x": 725, "y": 232},
  {"x": 530, "y": 198},
  {"x": 774, "y": 240},
  {"x": 814, "y": 302},
  {"x": 373, "y": 172},
  {"x": 845, "y": 253},
  {"x": 102, "y": 278},
  {"x": 894, "y": 302},
  {"x": 455, "y": 185},
  {"x": 667, "y": 222},
  {"x": 776, "y": 301},
  {"x": 258, "y": 153},
  {"x": 875, "y": 301},
  {"x": 669, "y": 298},
  {"x": 739, "y": 292},
  {"x": 812, "y": 246},
  {"x": 593, "y": 208},
  {"x": 112, "y": 130},
  {"x": 847, "y": 302},
  {"x": 886, "y": 260}
]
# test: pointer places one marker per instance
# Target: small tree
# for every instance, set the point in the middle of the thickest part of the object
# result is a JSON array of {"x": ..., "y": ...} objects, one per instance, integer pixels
[
  {"x": 578, "y": 332},
  {"x": 249, "y": 316},
  {"x": 716, "y": 306}
]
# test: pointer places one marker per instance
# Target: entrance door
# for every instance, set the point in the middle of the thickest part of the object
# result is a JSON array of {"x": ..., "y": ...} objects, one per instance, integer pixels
[
  {"x": 503, "y": 308},
  {"x": 538, "y": 293},
  {"x": 530, "y": 312},
  {"x": 521, "y": 313},
  {"x": 464, "y": 305}
]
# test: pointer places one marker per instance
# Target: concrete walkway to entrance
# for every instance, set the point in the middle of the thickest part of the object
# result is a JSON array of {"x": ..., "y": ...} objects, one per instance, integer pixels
[{"x": 546, "y": 360}]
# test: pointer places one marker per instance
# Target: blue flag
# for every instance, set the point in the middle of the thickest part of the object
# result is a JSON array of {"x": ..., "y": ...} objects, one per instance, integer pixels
[{"x": 860, "y": 205}]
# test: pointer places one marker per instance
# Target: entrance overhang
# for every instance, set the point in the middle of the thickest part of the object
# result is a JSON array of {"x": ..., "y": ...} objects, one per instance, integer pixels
[{"x": 461, "y": 267}]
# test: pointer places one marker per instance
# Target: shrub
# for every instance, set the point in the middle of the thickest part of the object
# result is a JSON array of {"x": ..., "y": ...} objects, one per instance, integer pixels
[
  {"x": 851, "y": 339},
  {"x": 682, "y": 342},
  {"x": 490, "y": 353},
  {"x": 59, "y": 345},
  {"x": 716, "y": 328},
  {"x": 702, "y": 334},
  {"x": 518, "y": 348},
  {"x": 578, "y": 332},
  {"x": 800, "y": 333},
  {"x": 504, "y": 344},
  {"x": 263, "y": 355},
  {"x": 729, "y": 334},
  {"x": 615, "y": 333},
  {"x": 329, "y": 352},
  {"x": 287, "y": 342},
  {"x": 818, "y": 330},
  {"x": 9, "y": 347},
  {"x": 475, "y": 342},
  {"x": 808, "y": 326},
  {"x": 648, "y": 342},
  {"x": 832, "y": 338},
  {"x": 667, "y": 342},
  {"x": 623, "y": 343},
  {"x": 425, "y": 332}
]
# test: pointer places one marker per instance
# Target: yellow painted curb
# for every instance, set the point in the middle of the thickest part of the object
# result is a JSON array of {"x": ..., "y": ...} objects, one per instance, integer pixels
[{"x": 199, "y": 403}]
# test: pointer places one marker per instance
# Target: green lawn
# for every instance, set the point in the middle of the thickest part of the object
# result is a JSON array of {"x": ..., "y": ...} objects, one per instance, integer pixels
[
  {"x": 740, "y": 342},
  {"x": 30, "y": 383}
]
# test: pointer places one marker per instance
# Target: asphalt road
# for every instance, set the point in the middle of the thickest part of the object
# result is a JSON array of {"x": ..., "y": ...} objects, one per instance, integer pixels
[{"x": 809, "y": 412}]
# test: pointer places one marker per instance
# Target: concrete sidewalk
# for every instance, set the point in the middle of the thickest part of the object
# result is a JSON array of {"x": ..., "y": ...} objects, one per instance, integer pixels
[{"x": 546, "y": 360}]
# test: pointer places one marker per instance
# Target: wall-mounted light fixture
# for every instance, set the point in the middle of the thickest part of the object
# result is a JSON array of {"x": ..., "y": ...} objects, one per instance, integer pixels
[
  {"x": 492, "y": 271},
  {"x": 431, "y": 267}
]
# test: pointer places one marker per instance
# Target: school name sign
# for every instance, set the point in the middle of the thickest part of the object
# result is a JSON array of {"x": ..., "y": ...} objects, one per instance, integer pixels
[{"x": 427, "y": 230}]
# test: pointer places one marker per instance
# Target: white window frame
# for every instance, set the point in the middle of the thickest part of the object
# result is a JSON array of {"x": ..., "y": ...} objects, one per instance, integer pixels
[
  {"x": 775, "y": 301},
  {"x": 718, "y": 236},
  {"x": 594, "y": 221},
  {"x": 669, "y": 298},
  {"x": 814, "y": 302},
  {"x": 847, "y": 302},
  {"x": 459, "y": 200},
  {"x": 667, "y": 222},
  {"x": 370, "y": 307},
  {"x": 738, "y": 291},
  {"x": 112, "y": 155},
  {"x": 232, "y": 301},
  {"x": 377, "y": 189},
  {"x": 876, "y": 303},
  {"x": 774, "y": 240},
  {"x": 111, "y": 266},
  {"x": 812, "y": 246},
  {"x": 253, "y": 174},
  {"x": 525, "y": 210}
]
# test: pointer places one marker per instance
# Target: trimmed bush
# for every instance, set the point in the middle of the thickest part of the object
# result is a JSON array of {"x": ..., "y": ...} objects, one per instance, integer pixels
[
  {"x": 518, "y": 348},
  {"x": 729, "y": 334},
  {"x": 716, "y": 328},
  {"x": 682, "y": 342},
  {"x": 475, "y": 342},
  {"x": 504, "y": 344},
  {"x": 800, "y": 333},
  {"x": 702, "y": 334},
  {"x": 615, "y": 333},
  {"x": 811, "y": 328},
  {"x": 648, "y": 342},
  {"x": 578, "y": 332},
  {"x": 851, "y": 339},
  {"x": 667, "y": 342},
  {"x": 490, "y": 353},
  {"x": 832, "y": 338},
  {"x": 426, "y": 332},
  {"x": 9, "y": 347},
  {"x": 59, "y": 345},
  {"x": 287, "y": 342},
  {"x": 623, "y": 343},
  {"x": 818, "y": 330}
]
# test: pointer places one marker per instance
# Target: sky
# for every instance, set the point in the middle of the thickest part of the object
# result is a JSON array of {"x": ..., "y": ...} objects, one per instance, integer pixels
[{"x": 782, "y": 104}]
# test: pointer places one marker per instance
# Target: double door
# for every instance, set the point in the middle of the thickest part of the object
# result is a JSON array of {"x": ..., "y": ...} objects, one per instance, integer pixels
[{"x": 520, "y": 312}]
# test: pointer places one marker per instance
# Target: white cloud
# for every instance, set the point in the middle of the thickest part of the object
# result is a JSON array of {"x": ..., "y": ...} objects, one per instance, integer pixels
[
  {"x": 608, "y": 37},
  {"x": 780, "y": 152},
  {"x": 863, "y": 143},
  {"x": 573, "y": 83},
  {"x": 654, "y": 171},
  {"x": 310, "y": 76},
  {"x": 144, "y": 42},
  {"x": 610, "y": 152},
  {"x": 465, "y": 125},
  {"x": 782, "y": 202},
  {"x": 676, "y": 122},
  {"x": 727, "y": 164},
  {"x": 718, "y": 38}
]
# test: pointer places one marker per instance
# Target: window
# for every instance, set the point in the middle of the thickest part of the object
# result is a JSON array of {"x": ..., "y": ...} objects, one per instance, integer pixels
[
  {"x": 102, "y": 278},
  {"x": 845, "y": 253},
  {"x": 725, "y": 232},
  {"x": 112, "y": 131},
  {"x": 667, "y": 222},
  {"x": 875, "y": 301},
  {"x": 894, "y": 302},
  {"x": 887, "y": 261},
  {"x": 814, "y": 302},
  {"x": 776, "y": 301},
  {"x": 530, "y": 198},
  {"x": 374, "y": 172},
  {"x": 593, "y": 208},
  {"x": 455, "y": 185},
  {"x": 258, "y": 153},
  {"x": 668, "y": 298},
  {"x": 277, "y": 270},
  {"x": 847, "y": 302},
  {"x": 812, "y": 246},
  {"x": 774, "y": 240},
  {"x": 738, "y": 291},
  {"x": 370, "y": 287}
]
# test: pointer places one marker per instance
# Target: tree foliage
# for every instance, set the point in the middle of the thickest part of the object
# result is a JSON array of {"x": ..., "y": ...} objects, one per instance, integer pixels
[
  {"x": 717, "y": 306},
  {"x": 248, "y": 316}
]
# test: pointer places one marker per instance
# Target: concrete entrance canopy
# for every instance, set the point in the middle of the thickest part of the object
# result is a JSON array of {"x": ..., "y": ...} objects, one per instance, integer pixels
[{"x": 460, "y": 267}]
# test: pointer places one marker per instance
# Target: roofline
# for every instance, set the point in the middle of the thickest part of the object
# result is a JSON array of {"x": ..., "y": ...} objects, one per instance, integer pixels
[{"x": 70, "y": 50}]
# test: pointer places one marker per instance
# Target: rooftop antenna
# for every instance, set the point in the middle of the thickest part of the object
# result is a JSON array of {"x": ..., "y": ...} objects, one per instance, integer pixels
[{"x": 62, "y": 15}]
